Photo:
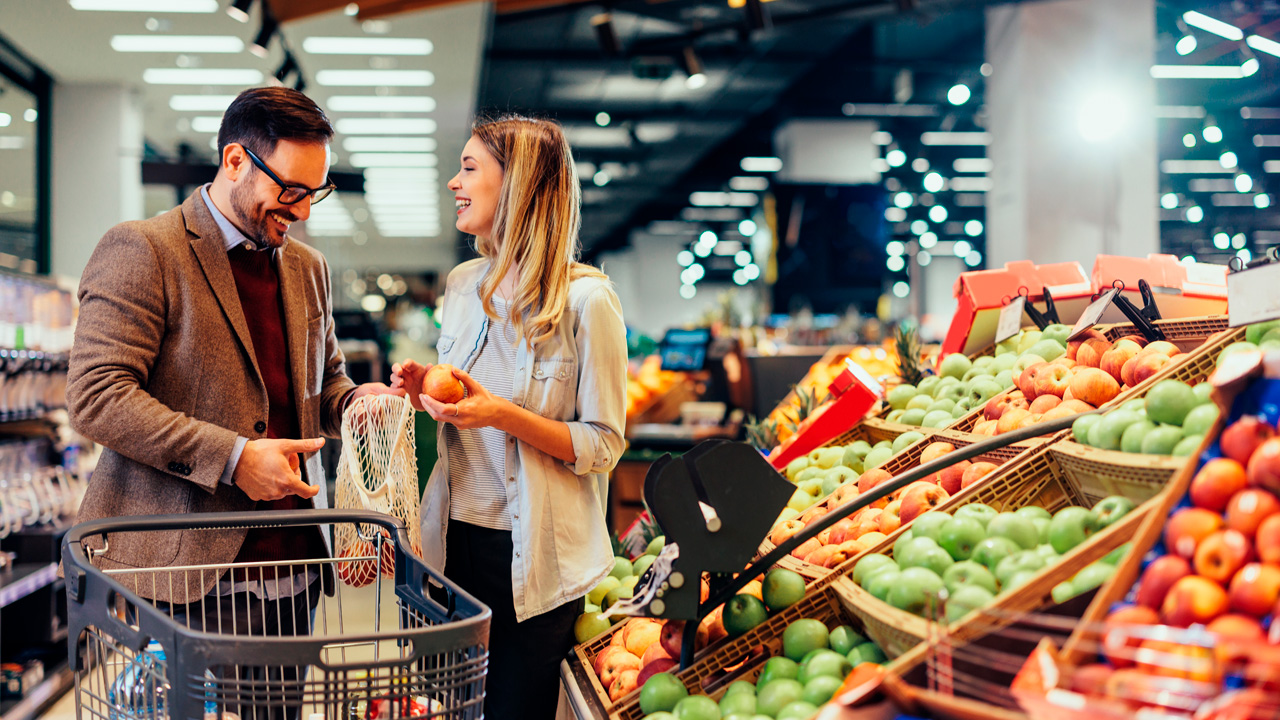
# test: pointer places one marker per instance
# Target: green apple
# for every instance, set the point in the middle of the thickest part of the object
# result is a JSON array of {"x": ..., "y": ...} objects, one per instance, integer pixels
[
  {"x": 878, "y": 457},
  {"x": 1003, "y": 363},
  {"x": 960, "y": 535},
  {"x": 1028, "y": 340},
  {"x": 966, "y": 599},
  {"x": 835, "y": 477},
  {"x": 1023, "y": 560},
  {"x": 861, "y": 447},
  {"x": 983, "y": 389},
  {"x": 933, "y": 558},
  {"x": 777, "y": 668},
  {"x": 938, "y": 419},
  {"x": 743, "y": 612},
  {"x": 616, "y": 594},
  {"x": 1234, "y": 348},
  {"x": 1042, "y": 527},
  {"x": 945, "y": 405},
  {"x": 589, "y": 625},
  {"x": 994, "y": 549},
  {"x": 929, "y": 525},
  {"x": 981, "y": 512},
  {"x": 662, "y": 692},
  {"x": 1070, "y": 527},
  {"x": 905, "y": 440},
  {"x": 1138, "y": 405},
  {"x": 738, "y": 687},
  {"x": 899, "y": 396},
  {"x": 1169, "y": 401},
  {"x": 1048, "y": 349},
  {"x": 1008, "y": 346},
  {"x": 844, "y": 638},
  {"x": 1201, "y": 419},
  {"x": 919, "y": 402},
  {"x": 1187, "y": 446},
  {"x": 1017, "y": 528},
  {"x": 973, "y": 372},
  {"x": 983, "y": 362},
  {"x": 778, "y": 694},
  {"x": 902, "y": 541},
  {"x": 1081, "y": 427},
  {"x": 821, "y": 689},
  {"x": 928, "y": 385},
  {"x": 1110, "y": 431},
  {"x": 809, "y": 473},
  {"x": 955, "y": 392},
  {"x": 656, "y": 545},
  {"x": 1033, "y": 512},
  {"x": 916, "y": 590},
  {"x": 1131, "y": 439},
  {"x": 798, "y": 710},
  {"x": 795, "y": 466},
  {"x": 1019, "y": 578},
  {"x": 1115, "y": 556},
  {"x": 630, "y": 581},
  {"x": 642, "y": 564},
  {"x": 879, "y": 584},
  {"x": 853, "y": 459},
  {"x": 696, "y": 707},
  {"x": 801, "y": 500},
  {"x": 788, "y": 514},
  {"x": 1056, "y": 332},
  {"x": 1063, "y": 591},
  {"x": 1253, "y": 333},
  {"x": 1025, "y": 361},
  {"x": 598, "y": 593},
  {"x": 913, "y": 417},
  {"x": 1091, "y": 576},
  {"x": 1162, "y": 440},
  {"x": 621, "y": 568},
  {"x": 1004, "y": 379},
  {"x": 955, "y": 365},
  {"x": 1203, "y": 392},
  {"x": 783, "y": 588},
  {"x": 866, "y": 566},
  {"x": 588, "y": 608},
  {"x": 866, "y": 652},
  {"x": 1047, "y": 552},
  {"x": 824, "y": 662},
  {"x": 966, "y": 573},
  {"x": 741, "y": 703},
  {"x": 1110, "y": 509},
  {"x": 802, "y": 636}
]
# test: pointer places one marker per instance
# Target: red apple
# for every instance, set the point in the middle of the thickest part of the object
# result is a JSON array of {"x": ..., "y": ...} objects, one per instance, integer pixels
[
  {"x": 1147, "y": 364},
  {"x": 641, "y": 633},
  {"x": 1010, "y": 420},
  {"x": 1264, "y": 466},
  {"x": 1073, "y": 346},
  {"x": 843, "y": 530},
  {"x": 1158, "y": 577},
  {"x": 1240, "y": 627},
  {"x": 1163, "y": 347},
  {"x": 933, "y": 451},
  {"x": 1221, "y": 555},
  {"x": 1126, "y": 371},
  {"x": 1119, "y": 642},
  {"x": 612, "y": 661},
  {"x": 654, "y": 652},
  {"x": 1051, "y": 380},
  {"x": 1093, "y": 386},
  {"x": 866, "y": 521},
  {"x": 872, "y": 478},
  {"x": 1044, "y": 402},
  {"x": 952, "y": 477},
  {"x": 1026, "y": 381},
  {"x": 623, "y": 683},
  {"x": 784, "y": 530},
  {"x": 843, "y": 494},
  {"x": 672, "y": 637},
  {"x": 890, "y": 519},
  {"x": 1091, "y": 352},
  {"x": 1248, "y": 508},
  {"x": 657, "y": 666},
  {"x": 1194, "y": 599},
  {"x": 1254, "y": 589},
  {"x": 1187, "y": 527},
  {"x": 1091, "y": 679},
  {"x": 1267, "y": 540},
  {"x": 1114, "y": 359},
  {"x": 1138, "y": 340},
  {"x": 976, "y": 472},
  {"x": 805, "y": 548},
  {"x": 920, "y": 497},
  {"x": 1242, "y": 437},
  {"x": 1216, "y": 482}
]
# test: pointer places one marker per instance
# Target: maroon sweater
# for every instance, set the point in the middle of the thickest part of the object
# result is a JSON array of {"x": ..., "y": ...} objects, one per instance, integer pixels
[{"x": 258, "y": 284}]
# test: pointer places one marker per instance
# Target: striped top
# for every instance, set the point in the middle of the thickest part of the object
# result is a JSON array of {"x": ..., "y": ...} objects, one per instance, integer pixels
[{"x": 478, "y": 457}]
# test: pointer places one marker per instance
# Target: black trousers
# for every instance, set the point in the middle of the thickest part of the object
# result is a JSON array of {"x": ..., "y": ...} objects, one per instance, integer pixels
[
  {"x": 254, "y": 693},
  {"x": 524, "y": 657}
]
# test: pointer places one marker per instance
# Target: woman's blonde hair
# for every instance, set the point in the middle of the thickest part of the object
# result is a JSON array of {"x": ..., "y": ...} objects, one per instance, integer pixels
[{"x": 536, "y": 223}]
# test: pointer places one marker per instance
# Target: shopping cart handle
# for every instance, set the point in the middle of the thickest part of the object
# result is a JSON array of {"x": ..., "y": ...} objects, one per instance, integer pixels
[{"x": 248, "y": 519}]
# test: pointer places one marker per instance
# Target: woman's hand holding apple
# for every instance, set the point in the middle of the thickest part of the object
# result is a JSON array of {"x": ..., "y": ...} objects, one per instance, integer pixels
[{"x": 480, "y": 408}]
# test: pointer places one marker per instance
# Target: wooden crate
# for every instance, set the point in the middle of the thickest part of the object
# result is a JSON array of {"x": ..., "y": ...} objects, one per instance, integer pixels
[
  {"x": 1034, "y": 480},
  {"x": 1095, "y": 474}
]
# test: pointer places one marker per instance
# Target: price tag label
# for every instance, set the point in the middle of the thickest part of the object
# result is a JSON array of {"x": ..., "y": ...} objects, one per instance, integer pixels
[
  {"x": 1093, "y": 313},
  {"x": 1010, "y": 319},
  {"x": 1252, "y": 296}
]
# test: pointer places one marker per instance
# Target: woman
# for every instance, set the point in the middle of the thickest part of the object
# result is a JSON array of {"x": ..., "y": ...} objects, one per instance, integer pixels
[{"x": 514, "y": 508}]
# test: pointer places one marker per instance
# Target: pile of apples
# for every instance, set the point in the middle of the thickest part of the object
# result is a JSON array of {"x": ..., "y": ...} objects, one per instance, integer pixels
[
  {"x": 1078, "y": 376},
  {"x": 1172, "y": 419},
  {"x": 962, "y": 386},
  {"x": 1222, "y": 563},
  {"x": 822, "y": 472},
  {"x": 620, "y": 584},
  {"x": 977, "y": 553},
  {"x": 793, "y": 686},
  {"x": 869, "y": 526}
]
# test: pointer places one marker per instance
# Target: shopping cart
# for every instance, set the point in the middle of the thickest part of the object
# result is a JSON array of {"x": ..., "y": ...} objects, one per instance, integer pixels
[{"x": 424, "y": 655}]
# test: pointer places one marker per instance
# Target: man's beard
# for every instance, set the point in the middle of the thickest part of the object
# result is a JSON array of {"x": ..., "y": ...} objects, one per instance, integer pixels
[{"x": 254, "y": 222}]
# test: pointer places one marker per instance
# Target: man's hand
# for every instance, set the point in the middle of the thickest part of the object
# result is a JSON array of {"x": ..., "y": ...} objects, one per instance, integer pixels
[
  {"x": 408, "y": 376},
  {"x": 376, "y": 388},
  {"x": 269, "y": 469}
]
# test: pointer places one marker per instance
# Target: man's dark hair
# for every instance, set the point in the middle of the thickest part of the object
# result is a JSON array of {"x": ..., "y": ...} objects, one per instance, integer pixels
[{"x": 261, "y": 117}]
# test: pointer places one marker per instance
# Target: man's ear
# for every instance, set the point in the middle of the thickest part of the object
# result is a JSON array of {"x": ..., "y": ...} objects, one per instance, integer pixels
[{"x": 234, "y": 161}]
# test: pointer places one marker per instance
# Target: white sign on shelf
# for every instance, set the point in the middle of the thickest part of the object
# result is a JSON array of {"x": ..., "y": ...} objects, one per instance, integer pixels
[
  {"x": 1252, "y": 296},
  {"x": 1093, "y": 313},
  {"x": 1010, "y": 319}
]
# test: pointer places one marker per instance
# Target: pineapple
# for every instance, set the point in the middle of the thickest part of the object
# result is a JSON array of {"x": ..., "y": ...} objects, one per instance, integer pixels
[
  {"x": 910, "y": 364},
  {"x": 762, "y": 434}
]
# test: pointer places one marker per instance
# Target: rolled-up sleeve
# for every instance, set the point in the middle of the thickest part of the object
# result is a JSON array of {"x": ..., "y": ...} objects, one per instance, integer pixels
[{"x": 597, "y": 431}]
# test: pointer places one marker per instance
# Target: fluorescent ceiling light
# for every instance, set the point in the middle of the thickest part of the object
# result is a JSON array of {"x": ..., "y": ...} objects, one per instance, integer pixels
[
  {"x": 373, "y": 103},
  {"x": 375, "y": 78},
  {"x": 1197, "y": 72},
  {"x": 1174, "y": 112},
  {"x": 5, "y": 119},
  {"x": 749, "y": 183},
  {"x": 1270, "y": 47},
  {"x": 971, "y": 184},
  {"x": 177, "y": 43},
  {"x": 425, "y": 160},
  {"x": 366, "y": 46},
  {"x": 1217, "y": 27},
  {"x": 1193, "y": 167},
  {"x": 1271, "y": 166},
  {"x": 386, "y": 126},
  {"x": 201, "y": 76},
  {"x": 890, "y": 110},
  {"x": 1210, "y": 185},
  {"x": 1234, "y": 199},
  {"x": 723, "y": 199},
  {"x": 206, "y": 124},
  {"x": 200, "y": 103},
  {"x": 1260, "y": 113},
  {"x": 389, "y": 144},
  {"x": 973, "y": 165},
  {"x": 955, "y": 138},
  {"x": 150, "y": 6},
  {"x": 1266, "y": 140},
  {"x": 880, "y": 137},
  {"x": 761, "y": 164}
]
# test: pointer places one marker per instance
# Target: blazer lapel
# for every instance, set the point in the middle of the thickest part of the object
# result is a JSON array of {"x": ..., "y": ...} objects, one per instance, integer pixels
[
  {"x": 293, "y": 295},
  {"x": 210, "y": 249}
]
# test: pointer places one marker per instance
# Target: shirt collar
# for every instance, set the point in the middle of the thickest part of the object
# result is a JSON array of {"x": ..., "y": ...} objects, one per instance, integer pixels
[{"x": 231, "y": 235}]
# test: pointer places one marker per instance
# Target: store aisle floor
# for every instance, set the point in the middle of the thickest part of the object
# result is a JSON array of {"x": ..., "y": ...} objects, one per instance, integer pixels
[{"x": 354, "y": 623}]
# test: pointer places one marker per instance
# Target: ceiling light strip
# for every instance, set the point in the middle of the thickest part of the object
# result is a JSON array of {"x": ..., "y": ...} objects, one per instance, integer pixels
[{"x": 367, "y": 46}]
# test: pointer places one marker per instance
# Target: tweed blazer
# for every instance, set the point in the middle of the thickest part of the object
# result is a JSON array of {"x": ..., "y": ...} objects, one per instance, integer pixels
[{"x": 163, "y": 375}]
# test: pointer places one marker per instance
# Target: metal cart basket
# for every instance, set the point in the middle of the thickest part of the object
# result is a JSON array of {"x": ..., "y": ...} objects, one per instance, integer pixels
[{"x": 300, "y": 643}]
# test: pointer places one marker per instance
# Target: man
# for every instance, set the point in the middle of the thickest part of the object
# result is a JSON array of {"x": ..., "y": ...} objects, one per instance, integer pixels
[{"x": 205, "y": 362}]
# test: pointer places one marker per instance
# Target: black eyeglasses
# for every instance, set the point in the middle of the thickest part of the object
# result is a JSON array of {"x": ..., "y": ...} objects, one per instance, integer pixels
[{"x": 292, "y": 194}]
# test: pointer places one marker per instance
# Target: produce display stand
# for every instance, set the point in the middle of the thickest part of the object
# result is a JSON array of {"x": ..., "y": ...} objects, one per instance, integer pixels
[
  {"x": 1034, "y": 480},
  {"x": 1184, "y": 290}
]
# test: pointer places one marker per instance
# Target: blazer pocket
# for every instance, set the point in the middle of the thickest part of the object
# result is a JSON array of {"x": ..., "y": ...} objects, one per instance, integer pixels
[
  {"x": 444, "y": 346},
  {"x": 553, "y": 388}
]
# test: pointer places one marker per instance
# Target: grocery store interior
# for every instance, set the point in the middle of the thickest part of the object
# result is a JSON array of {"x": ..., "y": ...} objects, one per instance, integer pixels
[{"x": 953, "y": 353}]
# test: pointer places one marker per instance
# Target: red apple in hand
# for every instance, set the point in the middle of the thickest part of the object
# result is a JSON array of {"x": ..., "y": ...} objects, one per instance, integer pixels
[
  {"x": 1255, "y": 589},
  {"x": 1264, "y": 466},
  {"x": 918, "y": 498},
  {"x": 1216, "y": 482},
  {"x": 1248, "y": 508},
  {"x": 1222, "y": 554},
  {"x": 1242, "y": 437},
  {"x": 1187, "y": 527},
  {"x": 1159, "y": 576}
]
